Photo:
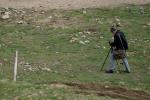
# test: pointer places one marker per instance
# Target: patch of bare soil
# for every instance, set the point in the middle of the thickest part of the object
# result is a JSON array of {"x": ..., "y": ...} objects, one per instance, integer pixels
[
  {"x": 67, "y": 4},
  {"x": 102, "y": 90}
]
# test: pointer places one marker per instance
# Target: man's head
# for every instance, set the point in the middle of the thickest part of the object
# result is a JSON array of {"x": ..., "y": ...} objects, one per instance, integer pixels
[{"x": 113, "y": 30}]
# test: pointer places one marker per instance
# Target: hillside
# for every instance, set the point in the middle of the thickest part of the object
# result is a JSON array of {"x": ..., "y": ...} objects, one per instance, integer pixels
[{"x": 61, "y": 53}]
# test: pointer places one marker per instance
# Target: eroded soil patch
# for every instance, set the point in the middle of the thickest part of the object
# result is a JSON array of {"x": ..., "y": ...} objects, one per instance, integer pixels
[{"x": 102, "y": 90}]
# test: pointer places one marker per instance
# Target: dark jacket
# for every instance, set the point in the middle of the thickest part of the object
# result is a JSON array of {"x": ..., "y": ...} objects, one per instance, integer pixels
[{"x": 117, "y": 41}]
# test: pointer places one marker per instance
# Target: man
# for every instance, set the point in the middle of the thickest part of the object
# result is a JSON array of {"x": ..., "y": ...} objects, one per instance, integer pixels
[{"x": 119, "y": 43}]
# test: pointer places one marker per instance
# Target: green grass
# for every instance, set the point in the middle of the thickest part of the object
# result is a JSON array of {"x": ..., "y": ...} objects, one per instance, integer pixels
[
  {"x": 27, "y": 91},
  {"x": 50, "y": 47}
]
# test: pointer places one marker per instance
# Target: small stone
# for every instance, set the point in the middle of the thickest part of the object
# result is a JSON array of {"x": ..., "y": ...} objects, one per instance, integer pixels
[
  {"x": 5, "y": 60},
  {"x": 146, "y": 41},
  {"x": 46, "y": 69},
  {"x": 6, "y": 8},
  {"x": 148, "y": 24},
  {"x": 47, "y": 47},
  {"x": 42, "y": 12},
  {"x": 5, "y": 17},
  {"x": 20, "y": 22},
  {"x": 73, "y": 39},
  {"x": 83, "y": 36},
  {"x": 81, "y": 42},
  {"x": 87, "y": 41},
  {"x": 88, "y": 32},
  {"x": 104, "y": 47},
  {"x": 7, "y": 13},
  {"x": 30, "y": 69},
  {"x": 84, "y": 12},
  {"x": 137, "y": 89},
  {"x": 56, "y": 72},
  {"x": 38, "y": 26},
  {"x": 23, "y": 11},
  {"x": 27, "y": 64},
  {"x": 97, "y": 46},
  {"x": 80, "y": 32},
  {"x": 117, "y": 19},
  {"x": 127, "y": 7},
  {"x": 106, "y": 86},
  {"x": 142, "y": 10},
  {"x": 1, "y": 63},
  {"x": 57, "y": 52},
  {"x": 144, "y": 52},
  {"x": 117, "y": 72},
  {"x": 50, "y": 17},
  {"x": 101, "y": 37},
  {"x": 122, "y": 83}
]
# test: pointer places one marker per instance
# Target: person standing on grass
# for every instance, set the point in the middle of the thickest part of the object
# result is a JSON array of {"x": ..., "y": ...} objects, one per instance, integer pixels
[{"x": 119, "y": 44}]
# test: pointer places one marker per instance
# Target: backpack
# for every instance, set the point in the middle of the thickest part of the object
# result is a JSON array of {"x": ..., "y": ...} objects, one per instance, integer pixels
[{"x": 124, "y": 42}]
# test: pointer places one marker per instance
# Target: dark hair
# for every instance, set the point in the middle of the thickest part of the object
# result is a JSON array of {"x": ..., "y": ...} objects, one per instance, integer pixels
[{"x": 112, "y": 29}]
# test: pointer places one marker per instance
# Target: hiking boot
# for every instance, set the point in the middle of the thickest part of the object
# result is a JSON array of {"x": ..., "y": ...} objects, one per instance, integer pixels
[
  {"x": 127, "y": 71},
  {"x": 109, "y": 71}
]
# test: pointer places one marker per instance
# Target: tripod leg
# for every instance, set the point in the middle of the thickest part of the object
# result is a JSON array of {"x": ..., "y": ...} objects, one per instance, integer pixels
[
  {"x": 117, "y": 64},
  {"x": 105, "y": 59}
]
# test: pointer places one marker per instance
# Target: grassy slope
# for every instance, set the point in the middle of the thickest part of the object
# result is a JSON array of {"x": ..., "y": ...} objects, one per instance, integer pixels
[{"x": 49, "y": 47}]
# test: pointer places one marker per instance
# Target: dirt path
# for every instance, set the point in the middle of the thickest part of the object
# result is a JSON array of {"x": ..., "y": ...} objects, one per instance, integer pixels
[
  {"x": 67, "y": 4},
  {"x": 100, "y": 90}
]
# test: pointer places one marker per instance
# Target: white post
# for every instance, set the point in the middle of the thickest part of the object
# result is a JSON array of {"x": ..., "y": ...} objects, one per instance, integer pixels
[{"x": 15, "y": 66}]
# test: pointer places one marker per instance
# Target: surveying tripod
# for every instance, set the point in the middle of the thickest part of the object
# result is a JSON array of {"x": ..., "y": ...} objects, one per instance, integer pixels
[{"x": 106, "y": 59}]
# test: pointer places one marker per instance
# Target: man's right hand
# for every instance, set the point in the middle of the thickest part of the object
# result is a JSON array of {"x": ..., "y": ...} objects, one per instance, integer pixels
[{"x": 111, "y": 43}]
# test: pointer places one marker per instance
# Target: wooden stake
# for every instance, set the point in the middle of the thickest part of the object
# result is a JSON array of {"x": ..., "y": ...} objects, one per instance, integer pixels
[{"x": 15, "y": 66}]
